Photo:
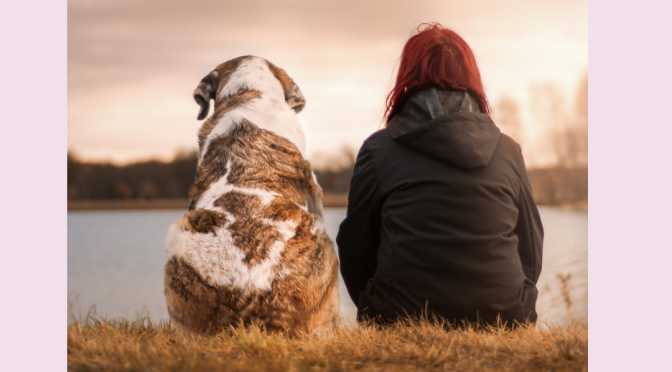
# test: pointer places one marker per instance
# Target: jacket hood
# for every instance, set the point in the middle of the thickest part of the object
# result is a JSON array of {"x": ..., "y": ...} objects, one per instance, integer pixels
[{"x": 446, "y": 125}]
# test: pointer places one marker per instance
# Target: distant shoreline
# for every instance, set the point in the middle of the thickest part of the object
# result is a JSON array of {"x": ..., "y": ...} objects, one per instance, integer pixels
[{"x": 329, "y": 201}]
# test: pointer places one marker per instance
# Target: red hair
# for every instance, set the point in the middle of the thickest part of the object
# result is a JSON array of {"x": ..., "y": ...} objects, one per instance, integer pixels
[{"x": 438, "y": 57}]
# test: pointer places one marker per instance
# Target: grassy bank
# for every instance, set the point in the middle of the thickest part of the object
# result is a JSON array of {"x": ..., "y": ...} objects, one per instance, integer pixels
[{"x": 422, "y": 346}]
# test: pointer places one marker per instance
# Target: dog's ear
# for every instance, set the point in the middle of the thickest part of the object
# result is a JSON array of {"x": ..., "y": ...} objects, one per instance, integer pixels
[
  {"x": 205, "y": 91},
  {"x": 294, "y": 97},
  {"x": 293, "y": 94}
]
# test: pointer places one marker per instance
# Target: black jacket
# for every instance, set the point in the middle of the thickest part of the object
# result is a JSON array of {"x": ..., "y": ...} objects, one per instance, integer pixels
[{"x": 441, "y": 217}]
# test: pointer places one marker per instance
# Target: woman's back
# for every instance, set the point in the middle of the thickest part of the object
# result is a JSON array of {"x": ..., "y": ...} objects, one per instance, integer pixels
[{"x": 441, "y": 216}]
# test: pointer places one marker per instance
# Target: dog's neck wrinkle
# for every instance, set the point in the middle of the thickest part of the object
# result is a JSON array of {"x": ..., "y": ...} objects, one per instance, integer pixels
[{"x": 265, "y": 113}]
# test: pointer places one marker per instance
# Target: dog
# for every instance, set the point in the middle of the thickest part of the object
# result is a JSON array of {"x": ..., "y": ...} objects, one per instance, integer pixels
[{"x": 253, "y": 246}]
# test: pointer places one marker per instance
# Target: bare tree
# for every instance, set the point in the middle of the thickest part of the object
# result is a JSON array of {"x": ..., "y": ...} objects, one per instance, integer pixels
[
  {"x": 507, "y": 117},
  {"x": 581, "y": 103},
  {"x": 581, "y": 122},
  {"x": 573, "y": 137},
  {"x": 549, "y": 111}
]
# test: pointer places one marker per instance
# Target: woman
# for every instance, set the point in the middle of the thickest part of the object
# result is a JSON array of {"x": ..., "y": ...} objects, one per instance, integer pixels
[{"x": 440, "y": 216}]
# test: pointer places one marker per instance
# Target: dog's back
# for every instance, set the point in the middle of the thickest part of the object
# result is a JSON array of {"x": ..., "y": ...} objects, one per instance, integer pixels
[{"x": 252, "y": 247}]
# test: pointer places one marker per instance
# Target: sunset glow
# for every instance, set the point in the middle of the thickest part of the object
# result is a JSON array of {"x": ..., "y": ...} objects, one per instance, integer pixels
[{"x": 132, "y": 65}]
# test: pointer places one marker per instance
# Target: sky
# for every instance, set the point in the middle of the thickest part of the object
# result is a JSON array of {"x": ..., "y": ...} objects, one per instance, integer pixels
[{"x": 133, "y": 64}]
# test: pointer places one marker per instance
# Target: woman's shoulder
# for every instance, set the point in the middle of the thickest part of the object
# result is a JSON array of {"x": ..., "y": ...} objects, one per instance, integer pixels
[
  {"x": 510, "y": 146},
  {"x": 378, "y": 140},
  {"x": 376, "y": 136}
]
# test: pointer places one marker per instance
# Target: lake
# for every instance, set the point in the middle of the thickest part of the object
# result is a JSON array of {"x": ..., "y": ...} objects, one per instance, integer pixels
[{"x": 116, "y": 258}]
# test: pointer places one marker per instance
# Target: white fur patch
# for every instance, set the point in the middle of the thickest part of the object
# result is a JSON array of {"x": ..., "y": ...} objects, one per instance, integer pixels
[
  {"x": 319, "y": 226},
  {"x": 222, "y": 186},
  {"x": 221, "y": 263},
  {"x": 270, "y": 112},
  {"x": 216, "y": 257}
]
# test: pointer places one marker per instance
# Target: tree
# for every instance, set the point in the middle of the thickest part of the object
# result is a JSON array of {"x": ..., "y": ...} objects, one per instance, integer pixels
[
  {"x": 567, "y": 130},
  {"x": 549, "y": 111},
  {"x": 575, "y": 150},
  {"x": 507, "y": 117}
]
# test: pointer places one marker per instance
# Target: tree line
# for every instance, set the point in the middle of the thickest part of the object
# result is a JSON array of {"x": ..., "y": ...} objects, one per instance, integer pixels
[
  {"x": 172, "y": 180},
  {"x": 165, "y": 180},
  {"x": 142, "y": 180},
  {"x": 565, "y": 140}
]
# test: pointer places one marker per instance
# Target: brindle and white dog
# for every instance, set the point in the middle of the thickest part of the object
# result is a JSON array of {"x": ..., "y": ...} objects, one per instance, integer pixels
[{"x": 253, "y": 247}]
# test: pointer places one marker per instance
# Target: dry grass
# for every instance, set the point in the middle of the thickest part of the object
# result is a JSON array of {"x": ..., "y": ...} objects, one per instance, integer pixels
[{"x": 419, "y": 345}]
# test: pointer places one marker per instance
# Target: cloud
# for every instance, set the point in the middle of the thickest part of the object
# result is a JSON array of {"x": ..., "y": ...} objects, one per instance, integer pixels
[{"x": 133, "y": 64}]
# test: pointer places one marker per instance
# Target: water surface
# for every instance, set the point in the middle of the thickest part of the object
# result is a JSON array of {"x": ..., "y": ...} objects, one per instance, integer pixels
[{"x": 115, "y": 262}]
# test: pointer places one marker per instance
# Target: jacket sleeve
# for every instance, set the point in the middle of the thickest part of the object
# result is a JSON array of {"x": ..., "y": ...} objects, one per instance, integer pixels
[
  {"x": 530, "y": 232},
  {"x": 359, "y": 234}
]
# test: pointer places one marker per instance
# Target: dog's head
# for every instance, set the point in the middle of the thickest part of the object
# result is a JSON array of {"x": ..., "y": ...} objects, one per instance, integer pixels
[{"x": 244, "y": 78}]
